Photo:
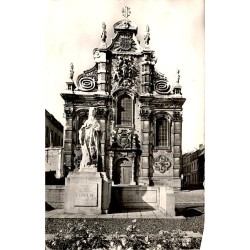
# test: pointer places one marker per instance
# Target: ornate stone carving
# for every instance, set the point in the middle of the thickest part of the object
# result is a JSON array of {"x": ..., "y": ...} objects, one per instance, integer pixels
[
  {"x": 124, "y": 138},
  {"x": 77, "y": 156},
  {"x": 158, "y": 76},
  {"x": 162, "y": 87},
  {"x": 125, "y": 42},
  {"x": 145, "y": 114},
  {"x": 177, "y": 116},
  {"x": 167, "y": 105},
  {"x": 96, "y": 53},
  {"x": 161, "y": 164},
  {"x": 101, "y": 112},
  {"x": 68, "y": 111},
  {"x": 86, "y": 84},
  {"x": 126, "y": 12},
  {"x": 91, "y": 103},
  {"x": 125, "y": 72},
  {"x": 87, "y": 81}
]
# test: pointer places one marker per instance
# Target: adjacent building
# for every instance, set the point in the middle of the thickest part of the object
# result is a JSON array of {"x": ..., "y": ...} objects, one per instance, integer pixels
[
  {"x": 54, "y": 170},
  {"x": 53, "y": 131},
  {"x": 193, "y": 169}
]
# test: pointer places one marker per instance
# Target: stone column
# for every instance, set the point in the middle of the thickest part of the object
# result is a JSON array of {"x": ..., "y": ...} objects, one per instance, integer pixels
[
  {"x": 177, "y": 154},
  {"x": 68, "y": 137}
]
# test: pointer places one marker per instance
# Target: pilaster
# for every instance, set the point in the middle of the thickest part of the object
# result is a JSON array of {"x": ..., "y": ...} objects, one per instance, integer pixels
[
  {"x": 177, "y": 141},
  {"x": 68, "y": 132},
  {"x": 145, "y": 114}
]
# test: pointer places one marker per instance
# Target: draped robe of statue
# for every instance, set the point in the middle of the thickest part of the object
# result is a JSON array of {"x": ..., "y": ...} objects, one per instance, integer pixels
[{"x": 89, "y": 137}]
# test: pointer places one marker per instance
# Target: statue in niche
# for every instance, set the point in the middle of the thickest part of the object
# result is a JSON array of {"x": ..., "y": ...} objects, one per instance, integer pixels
[{"x": 89, "y": 137}]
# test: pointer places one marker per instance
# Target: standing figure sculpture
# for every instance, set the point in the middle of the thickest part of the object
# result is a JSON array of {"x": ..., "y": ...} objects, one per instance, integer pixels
[{"x": 89, "y": 137}]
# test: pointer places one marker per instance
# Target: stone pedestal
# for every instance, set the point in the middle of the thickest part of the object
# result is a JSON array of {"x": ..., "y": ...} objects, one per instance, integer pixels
[
  {"x": 87, "y": 192},
  {"x": 167, "y": 201}
]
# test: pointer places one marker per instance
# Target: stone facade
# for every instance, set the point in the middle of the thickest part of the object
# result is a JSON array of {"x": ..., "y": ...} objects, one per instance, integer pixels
[{"x": 139, "y": 110}]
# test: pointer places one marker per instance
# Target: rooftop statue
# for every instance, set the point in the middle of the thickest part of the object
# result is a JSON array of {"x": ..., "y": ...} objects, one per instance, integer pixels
[
  {"x": 147, "y": 36},
  {"x": 104, "y": 33},
  {"x": 71, "y": 71}
]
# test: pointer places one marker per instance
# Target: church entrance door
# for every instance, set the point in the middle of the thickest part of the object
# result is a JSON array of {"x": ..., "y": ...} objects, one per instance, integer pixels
[
  {"x": 122, "y": 171},
  {"x": 125, "y": 174}
]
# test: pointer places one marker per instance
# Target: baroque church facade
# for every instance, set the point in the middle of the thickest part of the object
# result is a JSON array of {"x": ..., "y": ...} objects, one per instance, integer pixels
[{"x": 138, "y": 109}]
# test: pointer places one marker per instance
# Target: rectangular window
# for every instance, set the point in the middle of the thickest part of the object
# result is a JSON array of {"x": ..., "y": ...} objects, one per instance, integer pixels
[{"x": 162, "y": 132}]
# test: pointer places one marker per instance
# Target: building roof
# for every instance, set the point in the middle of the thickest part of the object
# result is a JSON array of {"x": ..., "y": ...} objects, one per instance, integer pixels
[{"x": 53, "y": 120}]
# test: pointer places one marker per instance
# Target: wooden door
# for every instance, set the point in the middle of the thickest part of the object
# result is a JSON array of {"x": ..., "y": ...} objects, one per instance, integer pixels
[{"x": 125, "y": 174}]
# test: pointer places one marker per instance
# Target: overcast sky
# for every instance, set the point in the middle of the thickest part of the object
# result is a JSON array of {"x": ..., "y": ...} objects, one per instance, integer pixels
[{"x": 74, "y": 28}]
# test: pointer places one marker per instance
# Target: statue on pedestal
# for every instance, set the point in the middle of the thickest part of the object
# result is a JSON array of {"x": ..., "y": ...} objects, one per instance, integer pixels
[{"x": 89, "y": 137}]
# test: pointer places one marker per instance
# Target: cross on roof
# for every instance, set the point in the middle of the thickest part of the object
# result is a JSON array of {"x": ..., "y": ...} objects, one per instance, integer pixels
[{"x": 126, "y": 12}]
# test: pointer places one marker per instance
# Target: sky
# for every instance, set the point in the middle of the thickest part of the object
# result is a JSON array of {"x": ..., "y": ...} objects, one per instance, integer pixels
[{"x": 73, "y": 30}]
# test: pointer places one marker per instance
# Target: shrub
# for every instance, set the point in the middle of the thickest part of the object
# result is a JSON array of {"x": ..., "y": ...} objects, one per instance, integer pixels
[{"x": 81, "y": 237}]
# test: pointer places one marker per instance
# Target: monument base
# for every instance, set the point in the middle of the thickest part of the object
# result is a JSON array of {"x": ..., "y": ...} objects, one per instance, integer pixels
[
  {"x": 167, "y": 200},
  {"x": 87, "y": 192}
]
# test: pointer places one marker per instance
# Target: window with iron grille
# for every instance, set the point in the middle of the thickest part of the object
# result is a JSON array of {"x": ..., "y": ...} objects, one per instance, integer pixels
[
  {"x": 162, "y": 138},
  {"x": 124, "y": 110}
]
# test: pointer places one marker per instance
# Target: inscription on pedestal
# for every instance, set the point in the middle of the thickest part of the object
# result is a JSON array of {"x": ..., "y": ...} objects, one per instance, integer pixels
[{"x": 86, "y": 196}]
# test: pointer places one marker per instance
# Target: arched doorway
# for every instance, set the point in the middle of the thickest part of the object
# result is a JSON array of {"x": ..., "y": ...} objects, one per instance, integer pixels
[{"x": 122, "y": 171}]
